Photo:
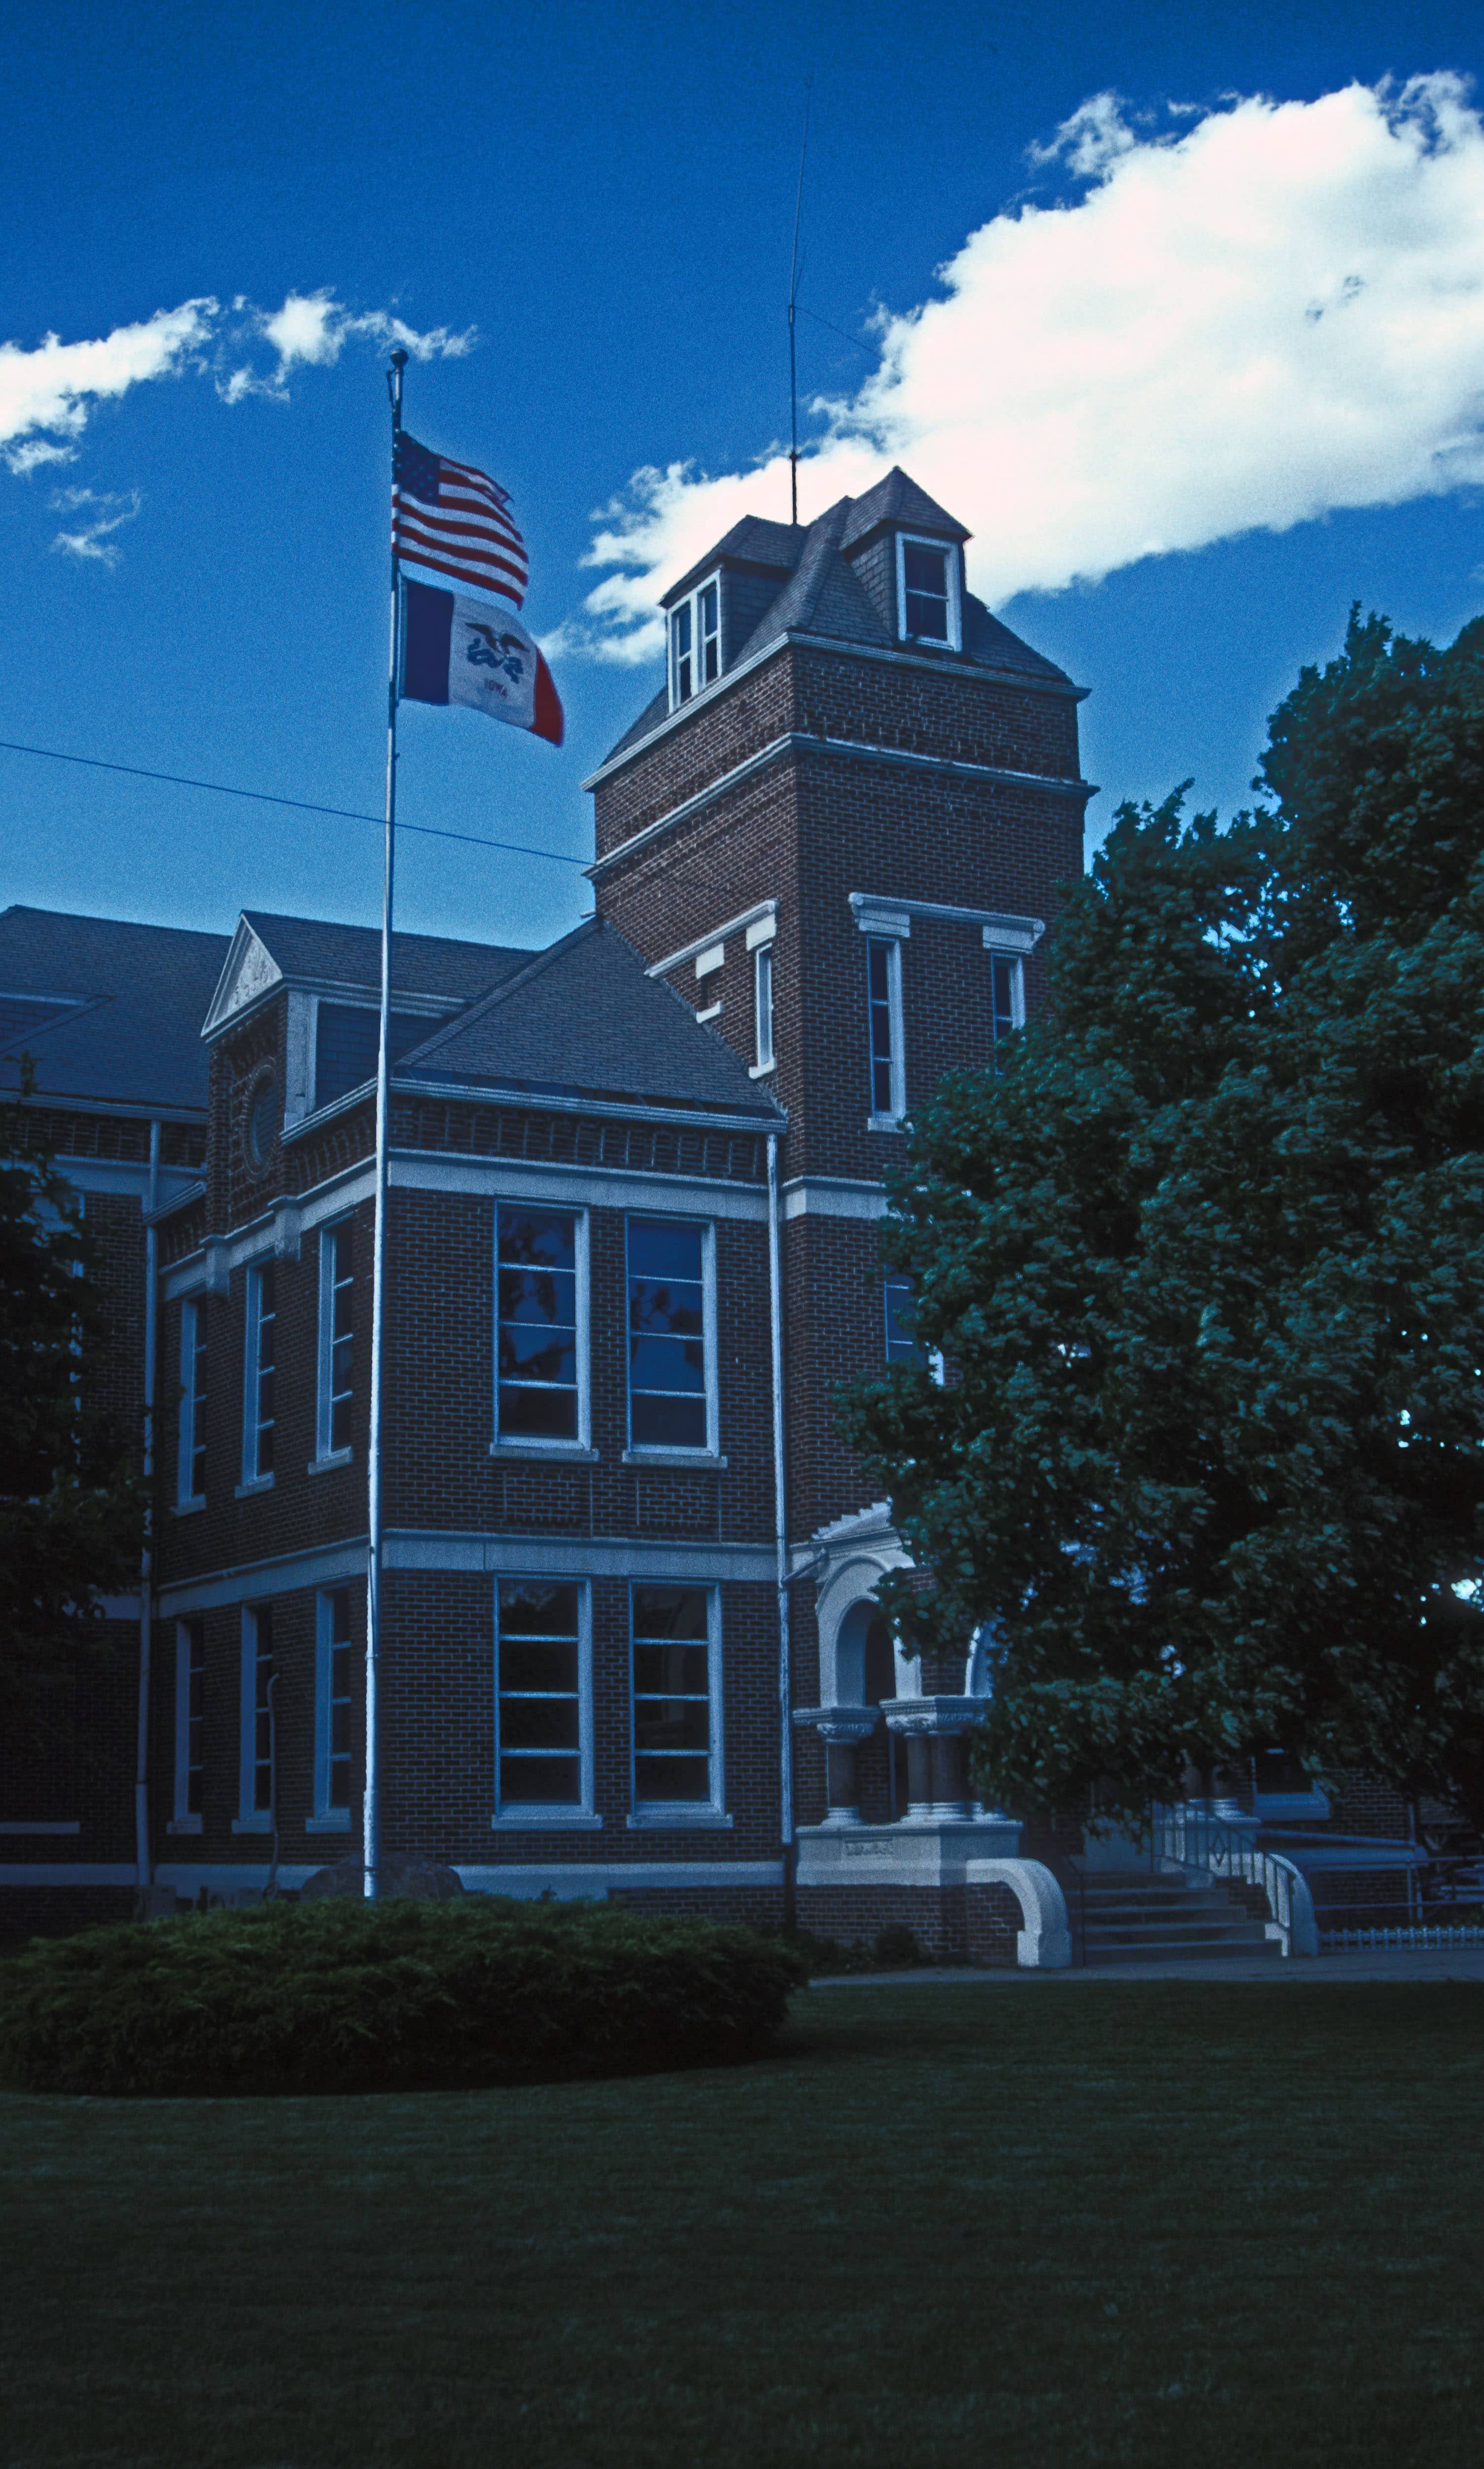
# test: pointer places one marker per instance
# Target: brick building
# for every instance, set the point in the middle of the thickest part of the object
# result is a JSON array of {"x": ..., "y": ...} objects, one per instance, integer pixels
[{"x": 629, "y": 1641}]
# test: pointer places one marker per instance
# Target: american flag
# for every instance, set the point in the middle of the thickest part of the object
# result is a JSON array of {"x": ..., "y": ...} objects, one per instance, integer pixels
[{"x": 455, "y": 519}]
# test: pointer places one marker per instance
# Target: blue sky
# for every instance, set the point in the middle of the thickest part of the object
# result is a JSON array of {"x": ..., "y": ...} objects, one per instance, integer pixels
[{"x": 605, "y": 197}]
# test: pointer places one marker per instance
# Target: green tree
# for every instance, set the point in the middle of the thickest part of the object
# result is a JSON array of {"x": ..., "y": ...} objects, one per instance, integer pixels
[
  {"x": 71, "y": 1497},
  {"x": 1206, "y": 1261}
]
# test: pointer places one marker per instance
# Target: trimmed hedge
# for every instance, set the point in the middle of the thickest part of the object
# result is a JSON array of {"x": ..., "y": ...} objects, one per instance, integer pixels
[{"x": 343, "y": 1996}]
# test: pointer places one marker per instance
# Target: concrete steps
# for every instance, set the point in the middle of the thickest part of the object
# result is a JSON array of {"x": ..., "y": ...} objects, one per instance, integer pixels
[{"x": 1135, "y": 1918}]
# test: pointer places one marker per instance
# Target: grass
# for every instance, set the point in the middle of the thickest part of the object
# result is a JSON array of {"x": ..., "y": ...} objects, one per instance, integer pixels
[{"x": 1023, "y": 2225}]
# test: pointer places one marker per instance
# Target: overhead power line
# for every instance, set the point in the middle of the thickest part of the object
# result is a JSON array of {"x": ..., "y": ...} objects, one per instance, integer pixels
[{"x": 301, "y": 805}]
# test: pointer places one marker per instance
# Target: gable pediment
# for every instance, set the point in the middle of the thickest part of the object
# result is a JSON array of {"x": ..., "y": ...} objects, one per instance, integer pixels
[{"x": 250, "y": 972}]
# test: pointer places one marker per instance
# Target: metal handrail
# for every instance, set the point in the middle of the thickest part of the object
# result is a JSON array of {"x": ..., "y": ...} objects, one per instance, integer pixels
[{"x": 1199, "y": 1844}]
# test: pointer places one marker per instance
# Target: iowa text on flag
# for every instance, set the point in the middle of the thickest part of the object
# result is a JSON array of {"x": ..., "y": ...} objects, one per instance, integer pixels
[
  {"x": 455, "y": 650},
  {"x": 455, "y": 519}
]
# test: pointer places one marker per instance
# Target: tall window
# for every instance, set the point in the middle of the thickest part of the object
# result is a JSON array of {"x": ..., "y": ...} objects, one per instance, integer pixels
[
  {"x": 675, "y": 1744},
  {"x": 539, "y": 1692},
  {"x": 333, "y": 1704},
  {"x": 258, "y": 1376},
  {"x": 762, "y": 1004},
  {"x": 337, "y": 1290},
  {"x": 190, "y": 1672},
  {"x": 257, "y": 1765},
  {"x": 669, "y": 1401},
  {"x": 928, "y": 582},
  {"x": 901, "y": 1345},
  {"x": 1007, "y": 1005},
  {"x": 191, "y": 1456},
  {"x": 884, "y": 1017},
  {"x": 695, "y": 643},
  {"x": 538, "y": 1372}
]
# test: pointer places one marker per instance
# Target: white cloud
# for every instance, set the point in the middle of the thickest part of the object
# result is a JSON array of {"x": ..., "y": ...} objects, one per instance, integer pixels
[
  {"x": 47, "y": 390},
  {"x": 1273, "y": 310},
  {"x": 107, "y": 513},
  {"x": 45, "y": 394}
]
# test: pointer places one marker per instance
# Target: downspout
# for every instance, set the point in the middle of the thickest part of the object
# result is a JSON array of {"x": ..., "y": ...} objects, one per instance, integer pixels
[
  {"x": 781, "y": 1538},
  {"x": 146, "y": 1557}
]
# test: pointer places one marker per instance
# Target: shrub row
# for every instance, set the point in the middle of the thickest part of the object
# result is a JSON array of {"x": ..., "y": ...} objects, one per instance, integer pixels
[{"x": 341, "y": 1996}]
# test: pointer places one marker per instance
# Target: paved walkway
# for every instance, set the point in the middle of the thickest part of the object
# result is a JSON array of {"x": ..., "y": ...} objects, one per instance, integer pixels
[{"x": 1372, "y": 1963}]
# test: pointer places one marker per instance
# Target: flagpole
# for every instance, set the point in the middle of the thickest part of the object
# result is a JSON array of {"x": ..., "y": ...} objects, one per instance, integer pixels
[{"x": 371, "y": 1807}]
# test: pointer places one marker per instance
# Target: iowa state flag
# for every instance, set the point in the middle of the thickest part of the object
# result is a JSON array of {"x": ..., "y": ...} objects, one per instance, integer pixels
[{"x": 457, "y": 650}]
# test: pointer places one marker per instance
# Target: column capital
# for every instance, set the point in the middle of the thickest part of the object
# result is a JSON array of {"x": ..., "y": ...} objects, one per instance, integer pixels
[{"x": 932, "y": 1715}]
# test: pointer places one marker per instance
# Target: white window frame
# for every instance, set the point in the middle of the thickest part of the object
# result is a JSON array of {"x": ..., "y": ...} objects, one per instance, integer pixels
[
  {"x": 252, "y": 1323},
  {"x": 184, "y": 1820},
  {"x": 325, "y": 1454},
  {"x": 191, "y": 1313},
  {"x": 761, "y": 940},
  {"x": 249, "y": 1820},
  {"x": 951, "y": 552},
  {"x": 692, "y": 603},
  {"x": 326, "y": 1819},
  {"x": 667, "y": 1452},
  {"x": 522, "y": 1444},
  {"x": 543, "y": 1816},
  {"x": 1018, "y": 969},
  {"x": 890, "y": 1121},
  {"x": 685, "y": 1812}
]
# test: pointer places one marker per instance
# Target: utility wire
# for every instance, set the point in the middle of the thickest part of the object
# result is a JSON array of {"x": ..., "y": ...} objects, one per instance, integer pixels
[
  {"x": 854, "y": 343},
  {"x": 301, "y": 805}
]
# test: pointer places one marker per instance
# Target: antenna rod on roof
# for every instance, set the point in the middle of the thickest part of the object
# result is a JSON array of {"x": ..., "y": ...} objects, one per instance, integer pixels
[{"x": 792, "y": 303}]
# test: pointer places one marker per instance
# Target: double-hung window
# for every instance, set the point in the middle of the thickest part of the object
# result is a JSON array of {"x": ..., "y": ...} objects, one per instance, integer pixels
[
  {"x": 541, "y": 1336},
  {"x": 676, "y": 1649},
  {"x": 763, "y": 1006},
  {"x": 901, "y": 1343},
  {"x": 927, "y": 580},
  {"x": 672, "y": 1402},
  {"x": 258, "y": 1402},
  {"x": 695, "y": 642},
  {"x": 884, "y": 1025},
  {"x": 336, "y": 1394},
  {"x": 334, "y": 1677},
  {"x": 191, "y": 1453},
  {"x": 258, "y": 1745},
  {"x": 543, "y": 1700},
  {"x": 190, "y": 1676}
]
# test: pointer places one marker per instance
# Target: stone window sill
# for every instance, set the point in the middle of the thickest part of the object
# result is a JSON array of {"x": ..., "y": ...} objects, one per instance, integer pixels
[
  {"x": 333, "y": 1821},
  {"x": 184, "y": 1826},
  {"x": 546, "y": 1452},
  {"x": 680, "y": 1819},
  {"x": 696, "y": 1461},
  {"x": 884, "y": 1123},
  {"x": 259, "y": 1823},
  {"x": 258, "y": 1482},
  {"x": 189, "y": 1508},
  {"x": 537, "y": 1821},
  {"x": 335, "y": 1458}
]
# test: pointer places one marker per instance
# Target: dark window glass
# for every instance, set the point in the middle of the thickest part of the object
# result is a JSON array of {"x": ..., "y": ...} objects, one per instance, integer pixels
[
  {"x": 901, "y": 1345},
  {"x": 880, "y": 961},
  {"x": 339, "y": 1340},
  {"x": 262, "y": 1123},
  {"x": 536, "y": 1273},
  {"x": 194, "y": 1644},
  {"x": 672, "y": 1701},
  {"x": 193, "y": 1402},
  {"x": 346, "y": 1039},
  {"x": 260, "y": 1373},
  {"x": 540, "y": 1763},
  {"x": 261, "y": 1648},
  {"x": 340, "y": 1679},
  {"x": 925, "y": 576},
  {"x": 709, "y": 628},
  {"x": 679, "y": 642},
  {"x": 666, "y": 1335}
]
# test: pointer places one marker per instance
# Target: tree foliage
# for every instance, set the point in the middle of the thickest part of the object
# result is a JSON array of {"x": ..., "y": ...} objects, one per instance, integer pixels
[
  {"x": 1207, "y": 1263},
  {"x": 71, "y": 1499}
]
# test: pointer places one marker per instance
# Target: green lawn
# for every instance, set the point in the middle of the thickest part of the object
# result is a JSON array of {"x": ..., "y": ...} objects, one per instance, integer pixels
[{"x": 1035, "y": 2222}]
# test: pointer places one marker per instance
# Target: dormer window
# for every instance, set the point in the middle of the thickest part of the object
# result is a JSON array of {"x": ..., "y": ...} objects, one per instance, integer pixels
[
  {"x": 695, "y": 642},
  {"x": 927, "y": 592}
]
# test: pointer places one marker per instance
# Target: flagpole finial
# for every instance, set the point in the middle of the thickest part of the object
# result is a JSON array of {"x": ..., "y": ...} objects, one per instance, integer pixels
[{"x": 398, "y": 362}]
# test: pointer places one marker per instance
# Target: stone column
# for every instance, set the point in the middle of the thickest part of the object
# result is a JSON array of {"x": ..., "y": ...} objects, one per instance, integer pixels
[
  {"x": 937, "y": 1765},
  {"x": 842, "y": 1729}
]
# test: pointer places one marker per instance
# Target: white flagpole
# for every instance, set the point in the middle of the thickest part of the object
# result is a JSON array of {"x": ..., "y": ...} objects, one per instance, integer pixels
[{"x": 371, "y": 1807}]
